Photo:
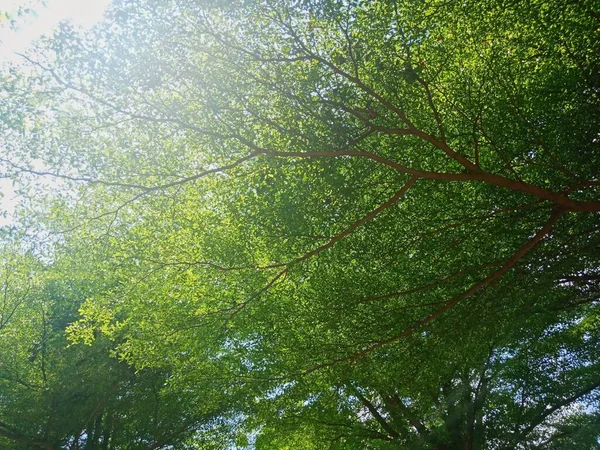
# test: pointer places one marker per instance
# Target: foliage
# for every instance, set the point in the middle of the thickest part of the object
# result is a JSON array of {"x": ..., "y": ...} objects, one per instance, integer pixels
[{"x": 333, "y": 224}]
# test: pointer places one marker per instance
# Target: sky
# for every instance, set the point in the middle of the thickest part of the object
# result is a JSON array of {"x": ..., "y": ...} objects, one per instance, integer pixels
[{"x": 83, "y": 13}]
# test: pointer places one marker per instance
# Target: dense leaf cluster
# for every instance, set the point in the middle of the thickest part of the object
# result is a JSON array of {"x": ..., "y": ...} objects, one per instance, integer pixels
[{"x": 306, "y": 225}]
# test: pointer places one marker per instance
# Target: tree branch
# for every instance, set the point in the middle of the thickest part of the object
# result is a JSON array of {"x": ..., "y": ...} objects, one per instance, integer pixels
[{"x": 492, "y": 278}]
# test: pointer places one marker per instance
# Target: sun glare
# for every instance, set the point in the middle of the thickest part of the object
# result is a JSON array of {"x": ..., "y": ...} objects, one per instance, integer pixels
[
  {"x": 13, "y": 40},
  {"x": 43, "y": 19}
]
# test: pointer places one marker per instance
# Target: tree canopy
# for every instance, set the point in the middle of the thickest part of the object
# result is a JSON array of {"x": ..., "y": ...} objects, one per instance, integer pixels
[{"x": 305, "y": 225}]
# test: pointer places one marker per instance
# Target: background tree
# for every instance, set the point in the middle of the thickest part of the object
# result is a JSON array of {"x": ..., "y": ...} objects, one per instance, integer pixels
[{"x": 58, "y": 396}]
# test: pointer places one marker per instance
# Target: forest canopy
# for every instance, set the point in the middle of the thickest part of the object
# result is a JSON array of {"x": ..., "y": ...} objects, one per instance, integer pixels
[{"x": 304, "y": 225}]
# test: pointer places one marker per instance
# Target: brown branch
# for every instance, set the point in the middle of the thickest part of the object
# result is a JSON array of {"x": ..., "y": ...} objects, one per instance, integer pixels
[
  {"x": 7, "y": 432},
  {"x": 444, "y": 176},
  {"x": 478, "y": 126},
  {"x": 473, "y": 171},
  {"x": 376, "y": 415},
  {"x": 6, "y": 316},
  {"x": 490, "y": 279},
  {"x": 257, "y": 294},
  {"x": 188, "y": 264},
  {"x": 433, "y": 284},
  {"x": 545, "y": 194},
  {"x": 23, "y": 383},
  {"x": 353, "y": 431},
  {"x": 335, "y": 239},
  {"x": 569, "y": 305},
  {"x": 411, "y": 128},
  {"x": 434, "y": 110},
  {"x": 483, "y": 217},
  {"x": 474, "y": 410},
  {"x": 120, "y": 110},
  {"x": 553, "y": 408},
  {"x": 396, "y": 402},
  {"x": 363, "y": 220},
  {"x": 89, "y": 180},
  {"x": 558, "y": 199},
  {"x": 353, "y": 79},
  {"x": 97, "y": 409},
  {"x": 495, "y": 276}
]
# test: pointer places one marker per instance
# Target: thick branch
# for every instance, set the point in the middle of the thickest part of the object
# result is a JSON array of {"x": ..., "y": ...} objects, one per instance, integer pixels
[
  {"x": 492, "y": 278},
  {"x": 8, "y": 433},
  {"x": 376, "y": 415},
  {"x": 431, "y": 285},
  {"x": 396, "y": 402},
  {"x": 553, "y": 408},
  {"x": 545, "y": 194},
  {"x": 367, "y": 218}
]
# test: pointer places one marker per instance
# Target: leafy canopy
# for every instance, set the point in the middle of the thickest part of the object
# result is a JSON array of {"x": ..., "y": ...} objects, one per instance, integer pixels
[{"x": 333, "y": 224}]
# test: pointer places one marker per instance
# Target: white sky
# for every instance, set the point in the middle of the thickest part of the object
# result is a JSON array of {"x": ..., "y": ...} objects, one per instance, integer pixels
[{"x": 84, "y": 13}]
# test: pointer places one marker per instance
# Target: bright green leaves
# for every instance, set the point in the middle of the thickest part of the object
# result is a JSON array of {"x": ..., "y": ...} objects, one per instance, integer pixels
[{"x": 314, "y": 224}]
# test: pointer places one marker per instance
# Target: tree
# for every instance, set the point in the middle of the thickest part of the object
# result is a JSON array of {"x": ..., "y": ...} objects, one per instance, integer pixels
[
  {"x": 348, "y": 217},
  {"x": 54, "y": 395}
]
